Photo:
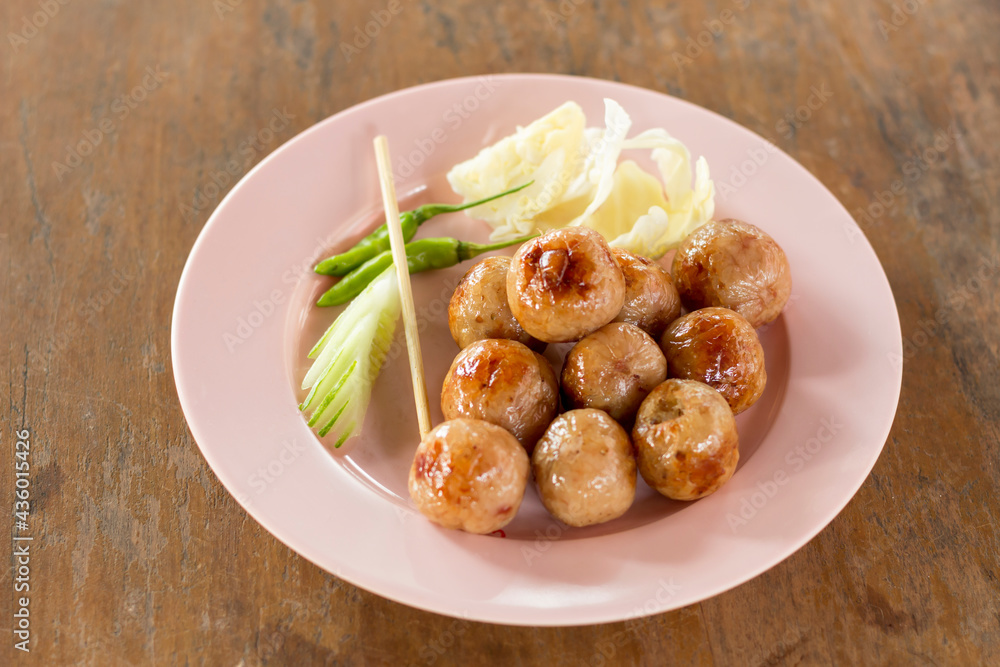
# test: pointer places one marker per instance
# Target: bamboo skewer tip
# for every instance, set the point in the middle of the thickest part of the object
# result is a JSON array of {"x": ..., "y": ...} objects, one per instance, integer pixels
[{"x": 398, "y": 245}]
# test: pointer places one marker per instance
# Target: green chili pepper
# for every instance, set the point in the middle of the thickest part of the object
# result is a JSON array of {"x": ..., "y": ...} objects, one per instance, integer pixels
[
  {"x": 422, "y": 255},
  {"x": 378, "y": 241}
]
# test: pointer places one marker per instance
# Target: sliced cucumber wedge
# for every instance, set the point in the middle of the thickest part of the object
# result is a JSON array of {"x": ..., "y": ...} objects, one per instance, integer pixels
[{"x": 348, "y": 358}]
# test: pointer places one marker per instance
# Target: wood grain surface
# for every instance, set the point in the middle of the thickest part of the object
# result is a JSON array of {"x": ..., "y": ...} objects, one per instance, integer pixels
[{"x": 141, "y": 557}]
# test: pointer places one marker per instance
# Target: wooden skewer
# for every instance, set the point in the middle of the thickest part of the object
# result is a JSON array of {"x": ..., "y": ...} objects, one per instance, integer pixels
[{"x": 403, "y": 278}]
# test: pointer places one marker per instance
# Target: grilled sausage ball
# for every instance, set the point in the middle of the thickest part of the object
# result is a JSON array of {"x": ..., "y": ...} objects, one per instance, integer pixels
[
  {"x": 685, "y": 440},
  {"x": 565, "y": 284},
  {"x": 504, "y": 383},
  {"x": 479, "y": 310},
  {"x": 651, "y": 300},
  {"x": 469, "y": 475},
  {"x": 717, "y": 346},
  {"x": 584, "y": 468},
  {"x": 613, "y": 369},
  {"x": 731, "y": 263}
]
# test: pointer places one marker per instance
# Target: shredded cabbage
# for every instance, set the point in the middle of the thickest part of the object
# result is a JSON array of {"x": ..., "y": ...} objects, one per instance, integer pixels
[
  {"x": 579, "y": 181},
  {"x": 547, "y": 151}
]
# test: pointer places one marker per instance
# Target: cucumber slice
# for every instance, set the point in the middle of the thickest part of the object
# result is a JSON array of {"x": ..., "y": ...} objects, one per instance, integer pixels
[{"x": 348, "y": 358}]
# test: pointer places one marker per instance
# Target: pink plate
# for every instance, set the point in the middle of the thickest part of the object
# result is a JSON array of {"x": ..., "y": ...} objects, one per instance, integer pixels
[{"x": 242, "y": 320}]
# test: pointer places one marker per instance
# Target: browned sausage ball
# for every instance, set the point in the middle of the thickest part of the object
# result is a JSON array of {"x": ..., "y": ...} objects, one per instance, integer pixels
[
  {"x": 479, "y": 310},
  {"x": 565, "y": 284},
  {"x": 469, "y": 475},
  {"x": 717, "y": 346},
  {"x": 613, "y": 369},
  {"x": 584, "y": 468},
  {"x": 731, "y": 263},
  {"x": 651, "y": 300},
  {"x": 504, "y": 383},
  {"x": 685, "y": 440}
]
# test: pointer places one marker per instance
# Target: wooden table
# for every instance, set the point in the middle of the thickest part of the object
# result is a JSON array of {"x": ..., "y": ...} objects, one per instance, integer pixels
[{"x": 115, "y": 116}]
